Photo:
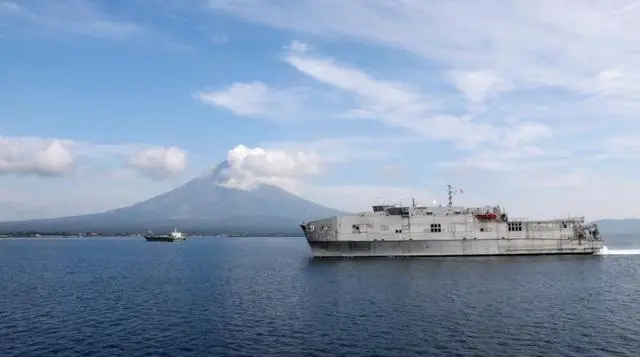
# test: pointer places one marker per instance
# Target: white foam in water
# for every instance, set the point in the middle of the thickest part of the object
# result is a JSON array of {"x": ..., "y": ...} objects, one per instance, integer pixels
[{"x": 607, "y": 251}]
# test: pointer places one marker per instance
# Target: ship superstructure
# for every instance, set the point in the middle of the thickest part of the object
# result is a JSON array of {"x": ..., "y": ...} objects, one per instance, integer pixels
[
  {"x": 395, "y": 230},
  {"x": 174, "y": 236}
]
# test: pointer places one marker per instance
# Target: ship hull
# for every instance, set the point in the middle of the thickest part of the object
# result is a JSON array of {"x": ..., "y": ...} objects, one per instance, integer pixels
[
  {"x": 443, "y": 248},
  {"x": 162, "y": 239}
]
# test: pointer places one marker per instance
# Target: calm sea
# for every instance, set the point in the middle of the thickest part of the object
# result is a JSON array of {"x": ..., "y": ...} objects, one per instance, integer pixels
[{"x": 267, "y": 297}]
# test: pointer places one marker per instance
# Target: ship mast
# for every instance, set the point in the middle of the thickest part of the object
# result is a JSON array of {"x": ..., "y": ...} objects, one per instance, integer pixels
[{"x": 451, "y": 191}]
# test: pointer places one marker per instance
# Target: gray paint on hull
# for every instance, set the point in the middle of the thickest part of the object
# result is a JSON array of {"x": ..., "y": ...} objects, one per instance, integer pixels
[{"x": 470, "y": 247}]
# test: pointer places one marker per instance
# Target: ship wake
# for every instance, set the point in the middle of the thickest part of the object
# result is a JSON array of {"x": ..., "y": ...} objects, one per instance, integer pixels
[{"x": 607, "y": 251}]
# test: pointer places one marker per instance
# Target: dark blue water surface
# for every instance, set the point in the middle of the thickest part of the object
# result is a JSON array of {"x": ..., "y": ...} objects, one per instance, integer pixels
[{"x": 267, "y": 297}]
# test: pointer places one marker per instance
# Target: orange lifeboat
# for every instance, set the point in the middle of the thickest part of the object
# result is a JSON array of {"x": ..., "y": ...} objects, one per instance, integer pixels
[{"x": 486, "y": 216}]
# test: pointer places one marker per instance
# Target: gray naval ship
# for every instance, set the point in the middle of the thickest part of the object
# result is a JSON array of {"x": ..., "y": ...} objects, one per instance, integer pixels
[{"x": 391, "y": 230}]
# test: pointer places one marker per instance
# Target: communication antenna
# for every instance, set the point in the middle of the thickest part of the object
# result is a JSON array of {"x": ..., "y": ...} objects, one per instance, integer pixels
[
  {"x": 451, "y": 191},
  {"x": 413, "y": 202}
]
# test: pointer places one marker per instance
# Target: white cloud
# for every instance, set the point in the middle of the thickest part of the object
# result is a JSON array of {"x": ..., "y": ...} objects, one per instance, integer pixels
[
  {"x": 256, "y": 99},
  {"x": 31, "y": 155},
  {"x": 160, "y": 162},
  {"x": 352, "y": 80},
  {"x": 528, "y": 45},
  {"x": 250, "y": 167},
  {"x": 540, "y": 79},
  {"x": 343, "y": 149},
  {"x": 299, "y": 46},
  {"x": 56, "y": 157},
  {"x": 478, "y": 85},
  {"x": 540, "y": 114},
  {"x": 399, "y": 106},
  {"x": 76, "y": 17},
  {"x": 28, "y": 163}
]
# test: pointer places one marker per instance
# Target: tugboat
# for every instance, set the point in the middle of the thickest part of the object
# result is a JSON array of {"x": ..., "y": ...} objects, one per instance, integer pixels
[{"x": 171, "y": 237}]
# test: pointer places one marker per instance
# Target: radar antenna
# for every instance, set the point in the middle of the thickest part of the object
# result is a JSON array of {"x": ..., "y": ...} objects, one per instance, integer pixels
[{"x": 451, "y": 191}]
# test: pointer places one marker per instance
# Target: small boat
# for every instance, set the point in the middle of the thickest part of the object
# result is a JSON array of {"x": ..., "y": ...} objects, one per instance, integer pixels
[{"x": 171, "y": 237}]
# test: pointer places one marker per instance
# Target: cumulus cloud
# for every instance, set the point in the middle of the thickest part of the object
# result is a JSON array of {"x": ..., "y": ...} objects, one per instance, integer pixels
[
  {"x": 251, "y": 167},
  {"x": 57, "y": 157},
  {"x": 37, "y": 156},
  {"x": 159, "y": 162}
]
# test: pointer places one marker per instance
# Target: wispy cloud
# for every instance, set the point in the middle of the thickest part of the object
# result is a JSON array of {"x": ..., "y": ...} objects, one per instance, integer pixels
[
  {"x": 525, "y": 63},
  {"x": 399, "y": 106},
  {"x": 257, "y": 99},
  {"x": 74, "y": 17},
  {"x": 527, "y": 45},
  {"x": 532, "y": 95},
  {"x": 348, "y": 148},
  {"x": 391, "y": 103}
]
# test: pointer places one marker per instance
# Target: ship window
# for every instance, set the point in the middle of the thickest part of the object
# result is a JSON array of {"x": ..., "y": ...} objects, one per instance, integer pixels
[
  {"x": 514, "y": 226},
  {"x": 436, "y": 227},
  {"x": 355, "y": 228}
]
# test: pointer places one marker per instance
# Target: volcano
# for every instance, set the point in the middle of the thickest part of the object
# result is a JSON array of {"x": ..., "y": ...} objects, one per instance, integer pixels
[{"x": 201, "y": 205}]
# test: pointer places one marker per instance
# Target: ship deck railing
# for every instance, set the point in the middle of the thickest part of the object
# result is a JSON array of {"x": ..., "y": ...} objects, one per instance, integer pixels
[{"x": 580, "y": 219}]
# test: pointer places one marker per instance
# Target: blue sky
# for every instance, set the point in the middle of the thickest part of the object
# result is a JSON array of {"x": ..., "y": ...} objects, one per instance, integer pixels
[{"x": 532, "y": 106}]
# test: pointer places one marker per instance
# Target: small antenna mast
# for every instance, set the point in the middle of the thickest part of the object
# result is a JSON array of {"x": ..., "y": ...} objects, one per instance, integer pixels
[{"x": 451, "y": 191}]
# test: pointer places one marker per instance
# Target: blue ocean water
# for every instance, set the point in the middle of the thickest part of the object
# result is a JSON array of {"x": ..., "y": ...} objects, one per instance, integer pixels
[{"x": 267, "y": 297}]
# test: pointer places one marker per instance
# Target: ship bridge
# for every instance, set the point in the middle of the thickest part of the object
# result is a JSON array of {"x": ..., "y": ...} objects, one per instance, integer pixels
[
  {"x": 393, "y": 210},
  {"x": 483, "y": 213}
]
